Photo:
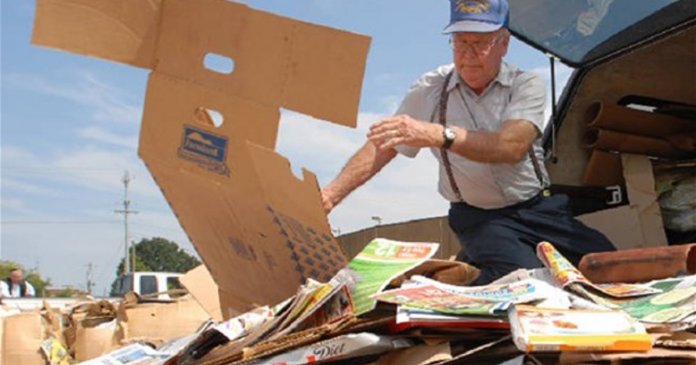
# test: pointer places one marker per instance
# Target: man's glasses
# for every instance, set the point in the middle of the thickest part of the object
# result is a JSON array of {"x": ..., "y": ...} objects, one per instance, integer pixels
[{"x": 479, "y": 48}]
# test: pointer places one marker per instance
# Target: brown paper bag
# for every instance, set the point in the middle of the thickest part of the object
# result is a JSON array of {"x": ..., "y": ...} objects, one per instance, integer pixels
[
  {"x": 93, "y": 341},
  {"x": 22, "y": 337}
]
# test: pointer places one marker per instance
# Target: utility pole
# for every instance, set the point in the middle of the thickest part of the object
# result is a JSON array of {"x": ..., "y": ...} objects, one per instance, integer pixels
[
  {"x": 126, "y": 211},
  {"x": 90, "y": 283}
]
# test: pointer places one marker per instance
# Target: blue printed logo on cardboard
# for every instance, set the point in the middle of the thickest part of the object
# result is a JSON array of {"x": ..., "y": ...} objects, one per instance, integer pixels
[{"x": 206, "y": 149}]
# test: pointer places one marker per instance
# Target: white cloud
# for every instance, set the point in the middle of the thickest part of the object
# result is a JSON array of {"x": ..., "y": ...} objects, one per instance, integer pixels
[
  {"x": 405, "y": 189},
  {"x": 320, "y": 146},
  {"x": 14, "y": 204},
  {"x": 89, "y": 167},
  {"x": 109, "y": 104},
  {"x": 102, "y": 135},
  {"x": 19, "y": 185}
]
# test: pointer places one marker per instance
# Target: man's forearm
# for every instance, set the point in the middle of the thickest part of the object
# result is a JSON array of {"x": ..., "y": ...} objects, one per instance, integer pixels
[
  {"x": 508, "y": 145},
  {"x": 487, "y": 147},
  {"x": 360, "y": 168}
]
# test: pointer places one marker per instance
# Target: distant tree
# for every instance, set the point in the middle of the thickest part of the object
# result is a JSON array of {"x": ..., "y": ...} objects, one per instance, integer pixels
[
  {"x": 66, "y": 293},
  {"x": 33, "y": 277},
  {"x": 158, "y": 254}
]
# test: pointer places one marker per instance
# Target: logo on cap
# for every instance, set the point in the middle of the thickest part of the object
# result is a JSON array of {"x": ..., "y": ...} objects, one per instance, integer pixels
[
  {"x": 473, "y": 6},
  {"x": 477, "y": 15}
]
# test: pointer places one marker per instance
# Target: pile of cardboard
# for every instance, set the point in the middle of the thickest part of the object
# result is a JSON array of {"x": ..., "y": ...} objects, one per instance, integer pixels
[
  {"x": 286, "y": 292},
  {"x": 393, "y": 304},
  {"x": 89, "y": 328}
]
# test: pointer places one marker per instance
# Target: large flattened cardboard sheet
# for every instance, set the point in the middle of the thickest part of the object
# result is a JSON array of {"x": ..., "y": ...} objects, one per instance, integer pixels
[
  {"x": 260, "y": 230},
  {"x": 123, "y": 31},
  {"x": 278, "y": 61}
]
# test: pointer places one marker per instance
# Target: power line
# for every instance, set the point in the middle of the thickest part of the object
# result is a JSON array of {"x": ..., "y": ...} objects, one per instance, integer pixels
[{"x": 171, "y": 229}]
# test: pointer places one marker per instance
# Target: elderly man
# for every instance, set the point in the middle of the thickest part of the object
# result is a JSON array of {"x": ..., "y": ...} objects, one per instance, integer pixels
[
  {"x": 483, "y": 119},
  {"x": 15, "y": 286}
]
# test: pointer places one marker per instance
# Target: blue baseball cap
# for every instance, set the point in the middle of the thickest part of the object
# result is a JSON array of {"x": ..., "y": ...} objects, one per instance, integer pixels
[{"x": 477, "y": 16}]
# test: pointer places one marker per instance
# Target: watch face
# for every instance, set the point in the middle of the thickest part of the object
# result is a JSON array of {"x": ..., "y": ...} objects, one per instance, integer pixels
[{"x": 449, "y": 134}]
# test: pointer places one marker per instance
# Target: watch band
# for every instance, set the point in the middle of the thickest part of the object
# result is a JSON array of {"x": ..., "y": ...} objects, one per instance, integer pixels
[{"x": 448, "y": 136}]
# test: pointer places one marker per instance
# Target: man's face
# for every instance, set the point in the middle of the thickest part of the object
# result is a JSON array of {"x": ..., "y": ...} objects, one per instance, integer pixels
[
  {"x": 16, "y": 276},
  {"x": 477, "y": 56}
]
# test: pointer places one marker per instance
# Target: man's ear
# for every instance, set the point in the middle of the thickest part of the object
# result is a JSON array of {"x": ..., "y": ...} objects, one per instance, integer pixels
[{"x": 505, "y": 41}]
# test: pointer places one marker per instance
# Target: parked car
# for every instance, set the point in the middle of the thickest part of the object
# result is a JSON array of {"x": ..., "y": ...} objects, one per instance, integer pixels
[{"x": 149, "y": 283}]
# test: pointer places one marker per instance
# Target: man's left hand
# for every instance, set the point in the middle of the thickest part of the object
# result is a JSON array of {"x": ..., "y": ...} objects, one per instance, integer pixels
[{"x": 402, "y": 129}]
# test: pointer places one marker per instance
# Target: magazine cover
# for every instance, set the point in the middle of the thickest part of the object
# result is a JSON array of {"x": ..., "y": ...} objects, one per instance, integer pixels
[
  {"x": 568, "y": 276},
  {"x": 381, "y": 261},
  {"x": 675, "y": 304},
  {"x": 542, "y": 329}
]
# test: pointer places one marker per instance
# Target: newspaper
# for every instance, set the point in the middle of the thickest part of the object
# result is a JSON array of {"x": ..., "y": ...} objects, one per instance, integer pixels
[
  {"x": 428, "y": 294},
  {"x": 135, "y": 354},
  {"x": 434, "y": 298},
  {"x": 338, "y": 348},
  {"x": 560, "y": 299},
  {"x": 522, "y": 291},
  {"x": 569, "y": 277},
  {"x": 338, "y": 306},
  {"x": 381, "y": 261},
  {"x": 243, "y": 324},
  {"x": 312, "y": 298}
]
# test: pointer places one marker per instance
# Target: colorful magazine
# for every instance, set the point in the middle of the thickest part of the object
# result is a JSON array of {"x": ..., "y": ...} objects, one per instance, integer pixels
[
  {"x": 675, "y": 304},
  {"x": 522, "y": 291},
  {"x": 434, "y": 298},
  {"x": 381, "y": 261},
  {"x": 542, "y": 329},
  {"x": 569, "y": 277}
]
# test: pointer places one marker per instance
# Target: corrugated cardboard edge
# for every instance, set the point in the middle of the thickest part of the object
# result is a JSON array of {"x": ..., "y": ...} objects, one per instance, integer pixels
[{"x": 202, "y": 287}]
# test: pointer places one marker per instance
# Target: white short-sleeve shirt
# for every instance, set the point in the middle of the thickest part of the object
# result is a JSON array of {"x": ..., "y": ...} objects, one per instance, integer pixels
[
  {"x": 514, "y": 94},
  {"x": 14, "y": 292}
]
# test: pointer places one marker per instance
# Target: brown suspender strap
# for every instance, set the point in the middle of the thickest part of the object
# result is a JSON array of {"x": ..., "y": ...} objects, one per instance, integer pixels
[
  {"x": 444, "y": 96},
  {"x": 537, "y": 168}
]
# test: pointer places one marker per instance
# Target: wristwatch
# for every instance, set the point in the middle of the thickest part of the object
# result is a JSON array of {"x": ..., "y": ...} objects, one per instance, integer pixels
[{"x": 449, "y": 135}]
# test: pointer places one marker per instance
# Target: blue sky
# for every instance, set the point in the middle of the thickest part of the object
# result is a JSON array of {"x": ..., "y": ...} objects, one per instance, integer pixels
[{"x": 70, "y": 127}]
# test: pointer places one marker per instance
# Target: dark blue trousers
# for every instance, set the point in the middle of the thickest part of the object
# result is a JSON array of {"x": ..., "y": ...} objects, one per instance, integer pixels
[{"x": 498, "y": 241}]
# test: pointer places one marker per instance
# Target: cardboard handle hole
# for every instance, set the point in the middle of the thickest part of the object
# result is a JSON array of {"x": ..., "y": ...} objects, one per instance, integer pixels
[
  {"x": 218, "y": 63},
  {"x": 208, "y": 117}
]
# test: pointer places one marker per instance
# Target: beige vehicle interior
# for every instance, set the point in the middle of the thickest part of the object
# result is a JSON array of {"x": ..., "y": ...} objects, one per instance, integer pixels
[{"x": 622, "y": 141}]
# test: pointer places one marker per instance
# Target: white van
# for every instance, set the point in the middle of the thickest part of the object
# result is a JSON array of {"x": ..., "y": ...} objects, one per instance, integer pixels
[{"x": 148, "y": 282}]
